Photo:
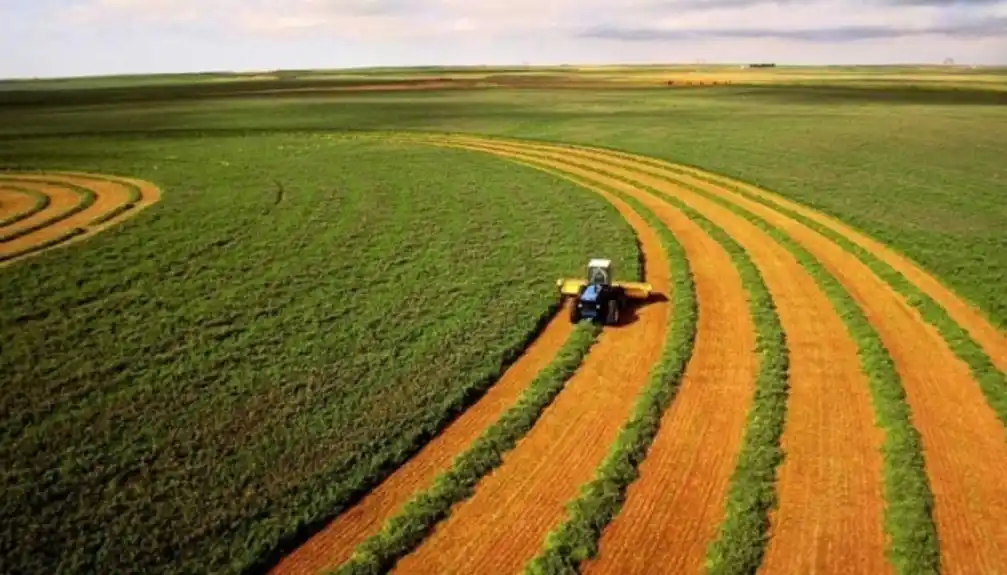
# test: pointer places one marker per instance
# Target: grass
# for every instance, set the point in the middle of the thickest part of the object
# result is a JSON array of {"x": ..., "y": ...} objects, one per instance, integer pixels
[
  {"x": 599, "y": 500},
  {"x": 87, "y": 199},
  {"x": 216, "y": 378},
  {"x": 41, "y": 203},
  {"x": 406, "y": 530}
]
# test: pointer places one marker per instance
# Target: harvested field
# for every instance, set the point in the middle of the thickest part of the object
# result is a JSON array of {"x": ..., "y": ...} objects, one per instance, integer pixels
[
  {"x": 502, "y": 525},
  {"x": 963, "y": 444},
  {"x": 830, "y": 487},
  {"x": 79, "y": 206},
  {"x": 333, "y": 545},
  {"x": 820, "y": 350}
]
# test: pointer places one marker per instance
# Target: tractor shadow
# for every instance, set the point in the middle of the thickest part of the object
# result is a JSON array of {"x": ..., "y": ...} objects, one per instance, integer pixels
[{"x": 630, "y": 313}]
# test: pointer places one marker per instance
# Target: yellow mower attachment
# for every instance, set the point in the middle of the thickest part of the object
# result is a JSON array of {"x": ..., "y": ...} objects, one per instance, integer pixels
[{"x": 632, "y": 290}]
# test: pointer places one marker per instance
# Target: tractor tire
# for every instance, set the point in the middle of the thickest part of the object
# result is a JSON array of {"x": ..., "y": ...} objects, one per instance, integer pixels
[
  {"x": 574, "y": 313},
  {"x": 612, "y": 317}
]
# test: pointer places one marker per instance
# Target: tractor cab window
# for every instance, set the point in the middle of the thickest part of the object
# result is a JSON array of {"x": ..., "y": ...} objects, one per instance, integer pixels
[{"x": 597, "y": 275}]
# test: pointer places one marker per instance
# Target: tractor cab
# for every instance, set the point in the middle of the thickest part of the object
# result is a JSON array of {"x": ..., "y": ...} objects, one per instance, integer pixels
[{"x": 599, "y": 272}]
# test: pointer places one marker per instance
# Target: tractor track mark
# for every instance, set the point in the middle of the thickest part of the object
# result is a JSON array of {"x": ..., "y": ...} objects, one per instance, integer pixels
[
  {"x": 964, "y": 443},
  {"x": 830, "y": 484},
  {"x": 114, "y": 201},
  {"x": 502, "y": 524},
  {"x": 991, "y": 339},
  {"x": 334, "y": 545}
]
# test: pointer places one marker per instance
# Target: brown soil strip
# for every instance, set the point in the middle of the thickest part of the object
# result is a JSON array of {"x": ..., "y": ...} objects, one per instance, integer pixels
[
  {"x": 110, "y": 192},
  {"x": 13, "y": 202},
  {"x": 964, "y": 444},
  {"x": 991, "y": 339},
  {"x": 334, "y": 545},
  {"x": 502, "y": 525},
  {"x": 830, "y": 490},
  {"x": 61, "y": 200}
]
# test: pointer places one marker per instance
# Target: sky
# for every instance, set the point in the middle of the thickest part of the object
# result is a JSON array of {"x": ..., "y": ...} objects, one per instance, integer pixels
[{"x": 47, "y": 38}]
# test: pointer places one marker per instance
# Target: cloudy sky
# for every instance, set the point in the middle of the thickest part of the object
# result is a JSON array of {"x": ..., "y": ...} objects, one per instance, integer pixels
[{"x": 78, "y": 37}]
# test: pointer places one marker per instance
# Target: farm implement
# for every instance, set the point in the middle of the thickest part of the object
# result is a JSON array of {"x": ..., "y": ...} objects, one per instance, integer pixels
[{"x": 597, "y": 297}]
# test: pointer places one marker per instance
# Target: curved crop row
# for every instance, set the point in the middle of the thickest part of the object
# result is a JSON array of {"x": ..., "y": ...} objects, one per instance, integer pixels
[
  {"x": 403, "y": 531},
  {"x": 48, "y": 243},
  {"x": 41, "y": 202},
  {"x": 988, "y": 371},
  {"x": 501, "y": 526},
  {"x": 598, "y": 501},
  {"x": 913, "y": 544},
  {"x": 87, "y": 198},
  {"x": 104, "y": 199}
]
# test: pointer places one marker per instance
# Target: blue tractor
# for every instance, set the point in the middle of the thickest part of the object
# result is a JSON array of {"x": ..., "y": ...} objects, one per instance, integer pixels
[{"x": 599, "y": 299}]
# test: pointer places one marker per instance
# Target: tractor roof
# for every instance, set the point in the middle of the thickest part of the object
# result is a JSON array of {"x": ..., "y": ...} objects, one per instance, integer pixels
[{"x": 599, "y": 263}]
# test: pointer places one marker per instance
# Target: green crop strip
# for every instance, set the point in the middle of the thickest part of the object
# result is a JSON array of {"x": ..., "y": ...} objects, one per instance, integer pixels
[
  {"x": 600, "y": 499},
  {"x": 292, "y": 395},
  {"x": 407, "y": 529},
  {"x": 135, "y": 195},
  {"x": 913, "y": 545},
  {"x": 114, "y": 212},
  {"x": 992, "y": 381},
  {"x": 87, "y": 199},
  {"x": 41, "y": 202}
]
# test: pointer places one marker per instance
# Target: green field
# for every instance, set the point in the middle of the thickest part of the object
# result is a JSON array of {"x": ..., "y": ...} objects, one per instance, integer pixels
[
  {"x": 199, "y": 388},
  {"x": 253, "y": 355}
]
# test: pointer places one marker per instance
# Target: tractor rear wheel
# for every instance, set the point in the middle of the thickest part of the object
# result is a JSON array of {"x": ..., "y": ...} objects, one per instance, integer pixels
[{"x": 574, "y": 313}]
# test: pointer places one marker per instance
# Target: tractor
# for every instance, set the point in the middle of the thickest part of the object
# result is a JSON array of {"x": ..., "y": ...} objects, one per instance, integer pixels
[{"x": 597, "y": 297}]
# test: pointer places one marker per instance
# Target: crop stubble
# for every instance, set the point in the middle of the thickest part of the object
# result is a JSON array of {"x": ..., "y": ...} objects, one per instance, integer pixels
[
  {"x": 502, "y": 525},
  {"x": 830, "y": 484},
  {"x": 334, "y": 545},
  {"x": 110, "y": 193},
  {"x": 13, "y": 203}
]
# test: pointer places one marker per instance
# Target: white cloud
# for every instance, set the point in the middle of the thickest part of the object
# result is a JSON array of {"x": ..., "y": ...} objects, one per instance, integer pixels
[{"x": 429, "y": 18}]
